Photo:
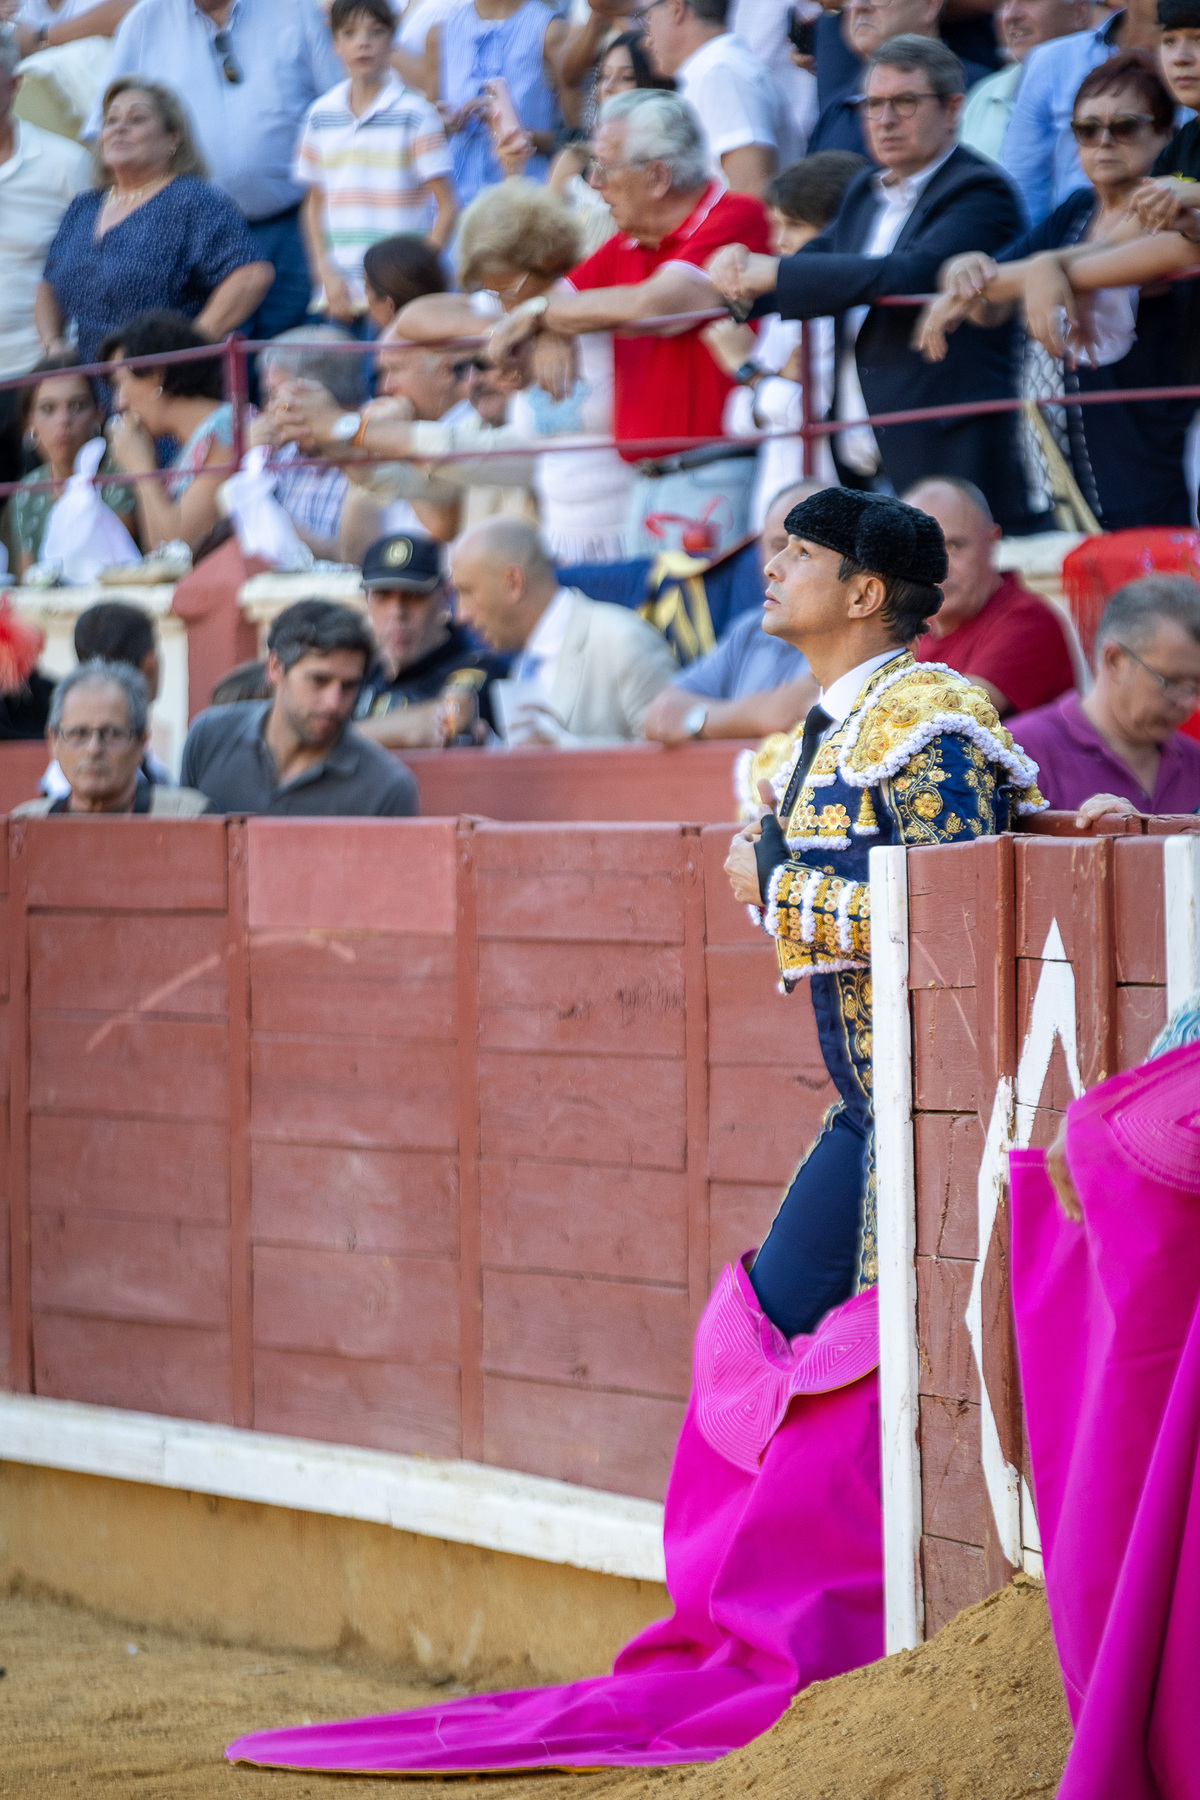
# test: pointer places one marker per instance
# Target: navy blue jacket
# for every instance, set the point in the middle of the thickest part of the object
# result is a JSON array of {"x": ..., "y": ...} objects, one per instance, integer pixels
[{"x": 968, "y": 205}]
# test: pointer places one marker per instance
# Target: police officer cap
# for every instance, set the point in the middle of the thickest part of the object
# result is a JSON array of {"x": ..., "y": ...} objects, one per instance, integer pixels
[
  {"x": 403, "y": 561},
  {"x": 884, "y": 536}
]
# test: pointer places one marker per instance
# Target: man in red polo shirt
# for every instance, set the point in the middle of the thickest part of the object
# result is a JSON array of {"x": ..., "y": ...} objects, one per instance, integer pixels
[
  {"x": 651, "y": 166},
  {"x": 990, "y": 628}
]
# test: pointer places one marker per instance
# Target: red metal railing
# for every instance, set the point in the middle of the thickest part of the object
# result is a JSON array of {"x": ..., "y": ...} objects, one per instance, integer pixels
[{"x": 235, "y": 350}]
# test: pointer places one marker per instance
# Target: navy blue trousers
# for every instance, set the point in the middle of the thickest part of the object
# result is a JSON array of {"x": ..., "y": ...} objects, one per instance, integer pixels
[{"x": 808, "y": 1261}]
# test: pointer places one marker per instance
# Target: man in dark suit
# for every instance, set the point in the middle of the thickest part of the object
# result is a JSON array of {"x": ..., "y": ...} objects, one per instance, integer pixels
[{"x": 929, "y": 200}]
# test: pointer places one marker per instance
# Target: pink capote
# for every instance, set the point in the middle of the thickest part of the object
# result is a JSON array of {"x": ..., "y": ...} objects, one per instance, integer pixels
[
  {"x": 1108, "y": 1329},
  {"x": 775, "y": 1567}
]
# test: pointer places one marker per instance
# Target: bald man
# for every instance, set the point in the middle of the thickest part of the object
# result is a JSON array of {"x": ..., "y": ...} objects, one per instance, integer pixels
[
  {"x": 990, "y": 628},
  {"x": 587, "y": 670}
]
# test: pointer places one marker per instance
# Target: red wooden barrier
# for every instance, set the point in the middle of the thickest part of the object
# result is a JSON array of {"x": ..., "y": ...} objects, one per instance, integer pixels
[
  {"x": 397, "y": 1133},
  {"x": 630, "y": 782}
]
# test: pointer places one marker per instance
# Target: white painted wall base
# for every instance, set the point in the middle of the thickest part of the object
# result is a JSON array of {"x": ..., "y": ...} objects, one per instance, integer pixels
[{"x": 464, "y": 1503}]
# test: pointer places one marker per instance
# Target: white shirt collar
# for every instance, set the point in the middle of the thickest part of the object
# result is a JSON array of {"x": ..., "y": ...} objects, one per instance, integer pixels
[
  {"x": 905, "y": 192},
  {"x": 548, "y": 635},
  {"x": 840, "y": 695}
]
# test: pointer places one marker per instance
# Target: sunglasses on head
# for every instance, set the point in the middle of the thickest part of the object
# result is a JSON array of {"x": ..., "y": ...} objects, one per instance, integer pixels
[
  {"x": 230, "y": 68},
  {"x": 1121, "y": 129}
]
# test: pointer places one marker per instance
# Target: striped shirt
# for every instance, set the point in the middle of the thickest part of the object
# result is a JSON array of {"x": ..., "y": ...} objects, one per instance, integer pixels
[{"x": 373, "y": 171}]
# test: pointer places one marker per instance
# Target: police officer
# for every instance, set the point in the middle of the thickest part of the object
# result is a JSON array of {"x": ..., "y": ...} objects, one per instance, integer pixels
[{"x": 429, "y": 684}]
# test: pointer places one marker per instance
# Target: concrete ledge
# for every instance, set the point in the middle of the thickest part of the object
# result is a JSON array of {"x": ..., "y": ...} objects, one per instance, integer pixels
[{"x": 463, "y": 1503}]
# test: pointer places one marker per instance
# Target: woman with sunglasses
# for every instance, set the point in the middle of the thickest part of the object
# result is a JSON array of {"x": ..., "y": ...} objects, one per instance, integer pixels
[
  {"x": 152, "y": 233},
  {"x": 1127, "y": 458}
]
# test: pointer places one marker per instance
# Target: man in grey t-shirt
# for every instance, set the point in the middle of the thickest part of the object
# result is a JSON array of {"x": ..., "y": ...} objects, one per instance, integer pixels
[
  {"x": 296, "y": 755},
  {"x": 749, "y": 685}
]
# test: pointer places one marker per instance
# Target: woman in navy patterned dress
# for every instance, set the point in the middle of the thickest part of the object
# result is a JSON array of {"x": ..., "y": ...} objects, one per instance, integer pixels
[{"x": 152, "y": 234}]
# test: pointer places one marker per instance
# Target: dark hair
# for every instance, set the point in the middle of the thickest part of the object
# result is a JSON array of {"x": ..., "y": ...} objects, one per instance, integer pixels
[
  {"x": 404, "y": 268},
  {"x": 314, "y": 628},
  {"x": 158, "y": 334},
  {"x": 113, "y": 631},
  {"x": 906, "y": 604},
  {"x": 812, "y": 190},
  {"x": 907, "y": 52},
  {"x": 344, "y": 12},
  {"x": 709, "y": 12},
  {"x": 63, "y": 362},
  {"x": 1131, "y": 69},
  {"x": 644, "y": 74},
  {"x": 247, "y": 682},
  {"x": 1135, "y": 609},
  {"x": 1179, "y": 15}
]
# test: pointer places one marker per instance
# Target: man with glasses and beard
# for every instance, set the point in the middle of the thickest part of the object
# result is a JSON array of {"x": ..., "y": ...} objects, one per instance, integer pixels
[{"x": 248, "y": 70}]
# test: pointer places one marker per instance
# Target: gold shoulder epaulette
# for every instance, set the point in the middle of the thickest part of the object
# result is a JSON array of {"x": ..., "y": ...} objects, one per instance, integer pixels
[
  {"x": 773, "y": 762},
  {"x": 907, "y": 710}
]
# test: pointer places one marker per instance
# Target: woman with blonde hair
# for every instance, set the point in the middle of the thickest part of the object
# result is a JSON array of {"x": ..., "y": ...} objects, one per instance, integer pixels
[{"x": 151, "y": 234}]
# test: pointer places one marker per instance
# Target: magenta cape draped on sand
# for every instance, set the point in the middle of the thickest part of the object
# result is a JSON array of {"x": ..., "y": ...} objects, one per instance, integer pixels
[
  {"x": 1108, "y": 1328},
  {"x": 775, "y": 1569}
]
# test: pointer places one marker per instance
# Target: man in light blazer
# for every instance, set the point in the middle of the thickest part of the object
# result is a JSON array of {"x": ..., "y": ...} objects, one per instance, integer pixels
[
  {"x": 929, "y": 200},
  {"x": 589, "y": 670}
]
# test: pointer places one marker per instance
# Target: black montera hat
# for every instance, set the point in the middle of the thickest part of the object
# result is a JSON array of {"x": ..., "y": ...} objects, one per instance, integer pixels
[
  {"x": 403, "y": 561},
  {"x": 883, "y": 535},
  {"x": 1179, "y": 15}
]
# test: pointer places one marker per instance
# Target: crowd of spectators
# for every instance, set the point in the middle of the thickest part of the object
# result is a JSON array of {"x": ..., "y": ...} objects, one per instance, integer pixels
[{"x": 502, "y": 199}]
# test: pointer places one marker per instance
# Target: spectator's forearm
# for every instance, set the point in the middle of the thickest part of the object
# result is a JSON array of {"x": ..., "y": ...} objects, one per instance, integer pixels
[
  {"x": 47, "y": 316},
  {"x": 98, "y": 21},
  {"x": 607, "y": 309},
  {"x": 235, "y": 299},
  {"x": 1145, "y": 260}
]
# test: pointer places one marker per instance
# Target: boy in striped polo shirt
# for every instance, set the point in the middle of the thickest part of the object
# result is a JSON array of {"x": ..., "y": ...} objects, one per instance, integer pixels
[{"x": 373, "y": 157}]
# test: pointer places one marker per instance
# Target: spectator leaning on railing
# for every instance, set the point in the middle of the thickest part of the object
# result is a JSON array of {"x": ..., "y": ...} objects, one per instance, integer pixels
[
  {"x": 650, "y": 165},
  {"x": 930, "y": 199},
  {"x": 313, "y": 498},
  {"x": 58, "y": 415},
  {"x": 1123, "y": 738},
  {"x": 250, "y": 70},
  {"x": 296, "y": 755},
  {"x": 98, "y": 733}
]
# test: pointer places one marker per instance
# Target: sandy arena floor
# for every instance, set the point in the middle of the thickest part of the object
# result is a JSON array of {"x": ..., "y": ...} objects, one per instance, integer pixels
[{"x": 93, "y": 1708}]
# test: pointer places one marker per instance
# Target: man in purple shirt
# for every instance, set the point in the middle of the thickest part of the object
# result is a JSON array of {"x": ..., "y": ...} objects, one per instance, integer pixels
[{"x": 1124, "y": 738}]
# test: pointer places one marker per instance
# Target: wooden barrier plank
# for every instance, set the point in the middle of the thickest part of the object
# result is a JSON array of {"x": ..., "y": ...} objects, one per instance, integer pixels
[
  {"x": 601, "y": 1109},
  {"x": 762, "y": 1120},
  {"x": 154, "y": 1270},
  {"x": 145, "y": 964},
  {"x": 626, "y": 999},
  {"x": 354, "y": 1303},
  {"x": 1141, "y": 1015},
  {"x": 740, "y": 1218},
  {"x": 352, "y": 875},
  {"x": 353, "y": 985},
  {"x": 470, "y": 1280},
  {"x": 696, "y": 1055},
  {"x": 949, "y": 1147},
  {"x": 953, "y": 1489},
  {"x": 955, "y": 1576},
  {"x": 241, "y": 1274},
  {"x": 126, "y": 865},
  {"x": 1138, "y": 910},
  {"x": 617, "y": 883},
  {"x": 172, "y": 1369},
  {"x": 947, "y": 1363},
  {"x": 399, "y": 1201},
  {"x": 1056, "y": 1089},
  {"x": 592, "y": 1334},
  {"x": 626, "y": 783},
  {"x": 4, "y": 936},
  {"x": 727, "y": 921},
  {"x": 750, "y": 1021},
  {"x": 943, "y": 904},
  {"x": 153, "y": 1168},
  {"x": 620, "y": 1443},
  {"x": 576, "y": 1219},
  {"x": 377, "y": 1405},
  {"x": 146, "y": 1067},
  {"x": 945, "y": 1054},
  {"x": 22, "y": 765},
  {"x": 20, "y": 1357},
  {"x": 365, "y": 1093}
]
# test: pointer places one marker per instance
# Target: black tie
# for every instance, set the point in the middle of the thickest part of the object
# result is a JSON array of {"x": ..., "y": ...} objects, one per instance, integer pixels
[
  {"x": 815, "y": 725},
  {"x": 771, "y": 848}
]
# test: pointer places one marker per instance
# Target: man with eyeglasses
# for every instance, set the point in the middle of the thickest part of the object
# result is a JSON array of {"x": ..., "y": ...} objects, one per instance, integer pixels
[
  {"x": 1124, "y": 738},
  {"x": 99, "y": 728},
  {"x": 248, "y": 71},
  {"x": 895, "y": 226}
]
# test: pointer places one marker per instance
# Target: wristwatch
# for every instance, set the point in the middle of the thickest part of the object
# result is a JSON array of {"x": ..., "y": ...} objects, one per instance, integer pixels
[
  {"x": 749, "y": 374},
  {"x": 347, "y": 428},
  {"x": 695, "y": 719}
]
